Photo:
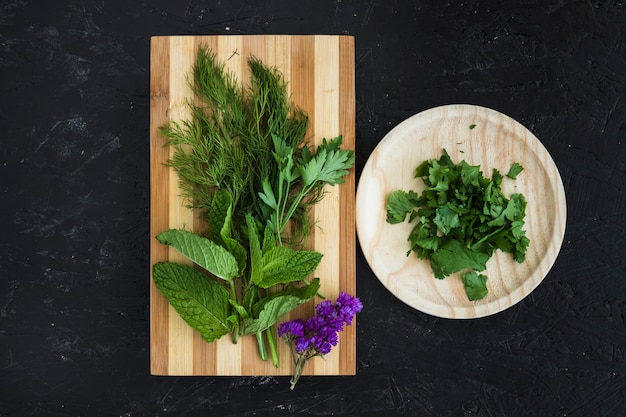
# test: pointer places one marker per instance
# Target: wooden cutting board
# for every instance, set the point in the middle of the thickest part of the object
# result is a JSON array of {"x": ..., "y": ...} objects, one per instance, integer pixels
[{"x": 320, "y": 75}]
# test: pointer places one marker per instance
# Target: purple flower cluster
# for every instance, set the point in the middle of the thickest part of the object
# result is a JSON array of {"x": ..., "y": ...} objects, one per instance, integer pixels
[{"x": 319, "y": 333}]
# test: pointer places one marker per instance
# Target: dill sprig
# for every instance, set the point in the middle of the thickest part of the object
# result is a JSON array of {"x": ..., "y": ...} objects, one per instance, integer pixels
[{"x": 228, "y": 143}]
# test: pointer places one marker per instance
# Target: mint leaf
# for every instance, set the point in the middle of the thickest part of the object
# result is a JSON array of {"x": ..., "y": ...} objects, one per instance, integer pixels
[
  {"x": 241, "y": 310},
  {"x": 199, "y": 300},
  {"x": 269, "y": 240},
  {"x": 268, "y": 310},
  {"x": 220, "y": 215},
  {"x": 475, "y": 285},
  {"x": 220, "y": 220},
  {"x": 256, "y": 266},
  {"x": 204, "y": 252},
  {"x": 250, "y": 297},
  {"x": 282, "y": 265}
]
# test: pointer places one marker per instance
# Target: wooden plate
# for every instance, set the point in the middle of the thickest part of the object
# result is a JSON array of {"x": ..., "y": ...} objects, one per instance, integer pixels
[{"x": 482, "y": 137}]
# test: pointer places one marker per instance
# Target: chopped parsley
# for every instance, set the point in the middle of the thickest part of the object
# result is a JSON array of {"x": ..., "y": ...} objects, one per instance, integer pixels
[{"x": 460, "y": 219}]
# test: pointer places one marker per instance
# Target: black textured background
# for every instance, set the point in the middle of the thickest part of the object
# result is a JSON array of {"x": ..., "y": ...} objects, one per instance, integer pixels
[{"x": 74, "y": 178}]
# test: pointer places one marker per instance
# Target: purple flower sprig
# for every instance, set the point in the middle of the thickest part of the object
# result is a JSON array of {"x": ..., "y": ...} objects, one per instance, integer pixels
[{"x": 317, "y": 335}]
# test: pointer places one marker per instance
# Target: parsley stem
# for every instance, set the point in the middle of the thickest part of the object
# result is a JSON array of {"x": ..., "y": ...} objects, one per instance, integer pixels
[{"x": 284, "y": 218}]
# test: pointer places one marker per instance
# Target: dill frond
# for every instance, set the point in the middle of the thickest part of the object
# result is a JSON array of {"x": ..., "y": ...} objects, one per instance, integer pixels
[{"x": 227, "y": 144}]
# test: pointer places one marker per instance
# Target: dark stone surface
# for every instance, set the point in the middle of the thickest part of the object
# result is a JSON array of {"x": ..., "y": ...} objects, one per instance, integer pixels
[{"x": 74, "y": 97}]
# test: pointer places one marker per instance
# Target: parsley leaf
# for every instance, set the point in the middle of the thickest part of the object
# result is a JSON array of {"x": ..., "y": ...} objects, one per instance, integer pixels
[
  {"x": 453, "y": 257},
  {"x": 475, "y": 285},
  {"x": 516, "y": 168},
  {"x": 400, "y": 203}
]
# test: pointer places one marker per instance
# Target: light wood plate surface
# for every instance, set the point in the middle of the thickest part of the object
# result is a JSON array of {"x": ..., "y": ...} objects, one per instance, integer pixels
[{"x": 495, "y": 141}]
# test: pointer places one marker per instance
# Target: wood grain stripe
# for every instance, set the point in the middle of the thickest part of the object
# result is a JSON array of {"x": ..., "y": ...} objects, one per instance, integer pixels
[
  {"x": 181, "y": 336},
  {"x": 159, "y": 198},
  {"x": 327, "y": 214},
  {"x": 347, "y": 120}
]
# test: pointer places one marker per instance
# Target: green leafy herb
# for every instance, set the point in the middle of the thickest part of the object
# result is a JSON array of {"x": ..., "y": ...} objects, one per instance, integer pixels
[
  {"x": 516, "y": 168},
  {"x": 472, "y": 126},
  {"x": 204, "y": 252},
  {"x": 202, "y": 303},
  {"x": 475, "y": 285},
  {"x": 269, "y": 309},
  {"x": 453, "y": 257},
  {"x": 243, "y": 162},
  {"x": 460, "y": 219}
]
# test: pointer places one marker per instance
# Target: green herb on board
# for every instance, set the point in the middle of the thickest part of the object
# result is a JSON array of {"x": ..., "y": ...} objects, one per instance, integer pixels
[
  {"x": 460, "y": 219},
  {"x": 472, "y": 126},
  {"x": 243, "y": 162}
]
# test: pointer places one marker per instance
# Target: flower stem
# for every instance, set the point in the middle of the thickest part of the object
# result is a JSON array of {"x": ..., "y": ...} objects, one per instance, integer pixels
[{"x": 298, "y": 372}]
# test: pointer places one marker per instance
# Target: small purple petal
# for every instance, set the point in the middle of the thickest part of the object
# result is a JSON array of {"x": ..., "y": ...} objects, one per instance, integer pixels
[
  {"x": 303, "y": 343},
  {"x": 318, "y": 334},
  {"x": 325, "y": 308},
  {"x": 293, "y": 328}
]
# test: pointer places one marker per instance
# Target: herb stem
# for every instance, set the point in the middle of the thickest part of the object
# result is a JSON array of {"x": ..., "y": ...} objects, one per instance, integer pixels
[
  {"x": 261, "y": 343},
  {"x": 280, "y": 221},
  {"x": 284, "y": 218},
  {"x": 270, "y": 333},
  {"x": 233, "y": 290}
]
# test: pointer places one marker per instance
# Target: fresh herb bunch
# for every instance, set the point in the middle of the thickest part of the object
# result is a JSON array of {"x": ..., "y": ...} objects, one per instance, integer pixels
[
  {"x": 243, "y": 162},
  {"x": 317, "y": 335},
  {"x": 251, "y": 139},
  {"x": 461, "y": 219}
]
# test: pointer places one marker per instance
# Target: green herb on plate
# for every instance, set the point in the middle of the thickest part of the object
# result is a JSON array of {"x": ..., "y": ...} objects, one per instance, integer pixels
[{"x": 460, "y": 219}]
